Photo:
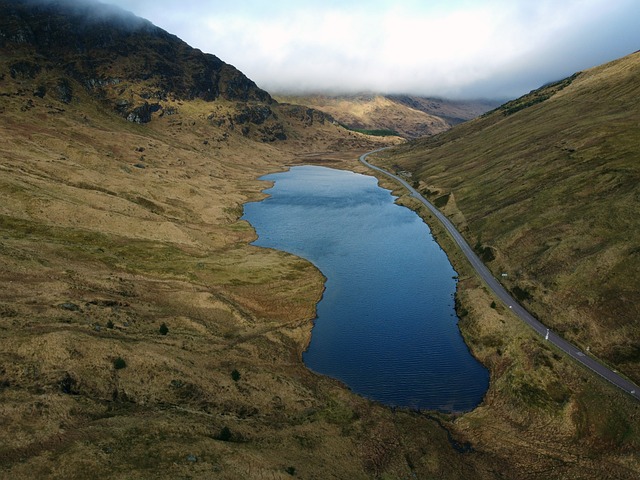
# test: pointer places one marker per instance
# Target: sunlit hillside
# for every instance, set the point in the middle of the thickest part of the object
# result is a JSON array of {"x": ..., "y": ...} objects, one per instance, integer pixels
[
  {"x": 547, "y": 188},
  {"x": 404, "y": 115}
]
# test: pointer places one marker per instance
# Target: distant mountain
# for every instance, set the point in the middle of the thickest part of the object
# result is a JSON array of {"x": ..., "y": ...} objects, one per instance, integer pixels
[
  {"x": 452, "y": 111},
  {"x": 407, "y": 116},
  {"x": 547, "y": 187}
]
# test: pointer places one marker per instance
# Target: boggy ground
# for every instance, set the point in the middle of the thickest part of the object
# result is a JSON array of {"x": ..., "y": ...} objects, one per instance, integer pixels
[{"x": 110, "y": 230}]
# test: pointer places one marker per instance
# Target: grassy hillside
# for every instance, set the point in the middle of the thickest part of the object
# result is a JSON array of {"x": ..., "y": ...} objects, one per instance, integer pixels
[
  {"x": 141, "y": 336},
  {"x": 548, "y": 187},
  {"x": 110, "y": 230}
]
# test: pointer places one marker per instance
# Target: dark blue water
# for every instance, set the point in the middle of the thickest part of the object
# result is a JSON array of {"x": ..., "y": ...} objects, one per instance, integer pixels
[{"x": 386, "y": 324}]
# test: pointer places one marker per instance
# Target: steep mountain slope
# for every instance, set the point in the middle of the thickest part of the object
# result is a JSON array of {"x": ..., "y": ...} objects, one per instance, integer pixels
[
  {"x": 85, "y": 44},
  {"x": 408, "y": 116},
  {"x": 547, "y": 187},
  {"x": 133, "y": 67}
]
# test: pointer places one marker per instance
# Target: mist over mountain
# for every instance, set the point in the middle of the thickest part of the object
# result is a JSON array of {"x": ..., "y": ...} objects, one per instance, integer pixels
[
  {"x": 116, "y": 55},
  {"x": 452, "y": 49}
]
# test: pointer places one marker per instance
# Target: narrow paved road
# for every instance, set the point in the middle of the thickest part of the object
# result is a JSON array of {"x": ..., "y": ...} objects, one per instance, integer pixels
[{"x": 550, "y": 336}]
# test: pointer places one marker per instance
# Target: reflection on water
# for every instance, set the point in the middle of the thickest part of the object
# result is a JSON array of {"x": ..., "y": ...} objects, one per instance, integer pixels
[{"x": 386, "y": 324}]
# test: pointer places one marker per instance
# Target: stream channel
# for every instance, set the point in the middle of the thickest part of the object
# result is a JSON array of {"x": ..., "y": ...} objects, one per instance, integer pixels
[{"x": 386, "y": 325}]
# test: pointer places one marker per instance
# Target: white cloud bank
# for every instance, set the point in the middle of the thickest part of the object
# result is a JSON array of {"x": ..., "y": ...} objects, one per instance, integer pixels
[{"x": 482, "y": 48}]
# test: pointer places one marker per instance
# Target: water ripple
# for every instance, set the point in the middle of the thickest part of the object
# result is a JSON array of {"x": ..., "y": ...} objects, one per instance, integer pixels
[{"x": 386, "y": 324}]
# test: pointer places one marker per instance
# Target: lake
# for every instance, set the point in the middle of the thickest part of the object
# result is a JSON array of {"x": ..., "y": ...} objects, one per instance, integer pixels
[{"x": 386, "y": 325}]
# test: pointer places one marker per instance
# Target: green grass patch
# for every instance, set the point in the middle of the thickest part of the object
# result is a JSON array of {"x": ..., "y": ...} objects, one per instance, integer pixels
[
  {"x": 337, "y": 413},
  {"x": 604, "y": 427},
  {"x": 536, "y": 96},
  {"x": 379, "y": 132},
  {"x": 114, "y": 251},
  {"x": 442, "y": 200}
]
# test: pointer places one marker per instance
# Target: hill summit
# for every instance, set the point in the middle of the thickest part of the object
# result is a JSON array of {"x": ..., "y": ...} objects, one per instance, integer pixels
[{"x": 124, "y": 59}]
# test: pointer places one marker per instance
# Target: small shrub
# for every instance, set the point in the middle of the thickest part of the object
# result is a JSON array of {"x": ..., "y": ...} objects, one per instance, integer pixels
[
  {"x": 493, "y": 304},
  {"x": 69, "y": 385},
  {"x": 290, "y": 470},
  {"x": 235, "y": 375},
  {"x": 177, "y": 383},
  {"x": 110, "y": 324},
  {"x": 460, "y": 310},
  {"x": 119, "y": 363},
  {"x": 224, "y": 435},
  {"x": 164, "y": 329},
  {"x": 442, "y": 200},
  {"x": 486, "y": 254},
  {"x": 521, "y": 294}
]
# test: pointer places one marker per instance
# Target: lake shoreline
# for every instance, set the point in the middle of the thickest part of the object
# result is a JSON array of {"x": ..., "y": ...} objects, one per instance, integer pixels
[{"x": 360, "y": 302}]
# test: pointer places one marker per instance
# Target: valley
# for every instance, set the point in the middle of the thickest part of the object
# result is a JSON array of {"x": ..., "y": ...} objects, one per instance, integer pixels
[{"x": 142, "y": 336}]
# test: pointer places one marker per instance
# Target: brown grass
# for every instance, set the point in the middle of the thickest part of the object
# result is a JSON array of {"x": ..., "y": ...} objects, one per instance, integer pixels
[
  {"x": 97, "y": 253},
  {"x": 552, "y": 190}
]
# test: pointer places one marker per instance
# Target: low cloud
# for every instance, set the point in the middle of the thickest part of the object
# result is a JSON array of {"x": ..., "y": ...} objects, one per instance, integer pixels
[{"x": 463, "y": 49}]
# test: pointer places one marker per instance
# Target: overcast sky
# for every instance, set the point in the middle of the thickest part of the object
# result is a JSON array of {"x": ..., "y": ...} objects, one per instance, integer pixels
[{"x": 451, "y": 48}]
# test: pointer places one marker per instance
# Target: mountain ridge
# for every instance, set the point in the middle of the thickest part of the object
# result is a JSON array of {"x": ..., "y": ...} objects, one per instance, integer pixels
[{"x": 163, "y": 66}]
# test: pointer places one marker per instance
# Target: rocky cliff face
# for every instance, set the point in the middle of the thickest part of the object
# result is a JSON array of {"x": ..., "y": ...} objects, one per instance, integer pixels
[{"x": 62, "y": 46}]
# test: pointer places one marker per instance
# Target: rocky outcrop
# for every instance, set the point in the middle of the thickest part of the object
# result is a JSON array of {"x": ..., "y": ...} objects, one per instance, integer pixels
[
  {"x": 64, "y": 90},
  {"x": 271, "y": 133},
  {"x": 248, "y": 117},
  {"x": 24, "y": 69},
  {"x": 307, "y": 115},
  {"x": 142, "y": 114},
  {"x": 256, "y": 114}
]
